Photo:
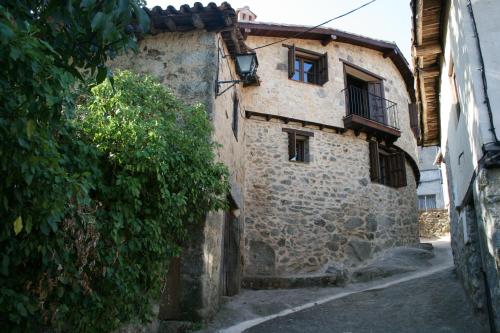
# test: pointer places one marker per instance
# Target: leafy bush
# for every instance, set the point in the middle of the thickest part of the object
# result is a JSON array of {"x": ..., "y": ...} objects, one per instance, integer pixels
[{"x": 82, "y": 246}]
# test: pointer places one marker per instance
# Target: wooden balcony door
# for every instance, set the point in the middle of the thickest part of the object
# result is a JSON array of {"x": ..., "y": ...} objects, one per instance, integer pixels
[{"x": 377, "y": 101}]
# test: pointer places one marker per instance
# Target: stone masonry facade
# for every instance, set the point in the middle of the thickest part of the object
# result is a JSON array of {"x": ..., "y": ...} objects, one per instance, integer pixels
[
  {"x": 295, "y": 219},
  {"x": 304, "y": 218},
  {"x": 434, "y": 223}
]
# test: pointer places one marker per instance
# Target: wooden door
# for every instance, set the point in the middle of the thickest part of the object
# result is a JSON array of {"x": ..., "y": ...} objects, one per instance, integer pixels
[
  {"x": 231, "y": 265},
  {"x": 377, "y": 102}
]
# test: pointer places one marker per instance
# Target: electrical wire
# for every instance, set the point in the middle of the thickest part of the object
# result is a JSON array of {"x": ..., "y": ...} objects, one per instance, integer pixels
[{"x": 316, "y": 26}]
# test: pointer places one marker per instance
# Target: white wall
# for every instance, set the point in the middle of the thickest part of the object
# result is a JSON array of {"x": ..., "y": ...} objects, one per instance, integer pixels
[
  {"x": 430, "y": 175},
  {"x": 487, "y": 13},
  {"x": 462, "y": 139}
]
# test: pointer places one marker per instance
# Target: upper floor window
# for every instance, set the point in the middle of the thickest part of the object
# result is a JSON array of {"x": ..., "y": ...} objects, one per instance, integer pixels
[
  {"x": 387, "y": 166},
  {"x": 307, "y": 66}
]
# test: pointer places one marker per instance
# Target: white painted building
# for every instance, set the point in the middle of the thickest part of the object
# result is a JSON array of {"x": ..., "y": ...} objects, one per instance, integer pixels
[
  {"x": 430, "y": 189},
  {"x": 457, "y": 70}
]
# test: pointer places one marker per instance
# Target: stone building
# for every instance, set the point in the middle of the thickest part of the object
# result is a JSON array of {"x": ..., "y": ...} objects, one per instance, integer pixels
[
  {"x": 320, "y": 145},
  {"x": 456, "y": 63}
]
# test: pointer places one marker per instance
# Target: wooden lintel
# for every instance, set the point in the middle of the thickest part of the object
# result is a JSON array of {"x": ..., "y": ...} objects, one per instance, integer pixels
[
  {"x": 296, "y": 131},
  {"x": 286, "y": 120},
  {"x": 426, "y": 50}
]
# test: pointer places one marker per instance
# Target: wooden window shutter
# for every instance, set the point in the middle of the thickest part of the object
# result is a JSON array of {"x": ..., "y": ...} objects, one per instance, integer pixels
[
  {"x": 306, "y": 150},
  {"x": 413, "y": 111},
  {"x": 291, "y": 61},
  {"x": 374, "y": 162},
  {"x": 398, "y": 170},
  {"x": 291, "y": 145},
  {"x": 323, "y": 69},
  {"x": 393, "y": 170},
  {"x": 402, "y": 169}
]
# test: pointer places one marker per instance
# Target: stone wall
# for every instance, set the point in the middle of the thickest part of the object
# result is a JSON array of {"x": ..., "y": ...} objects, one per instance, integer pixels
[
  {"x": 323, "y": 104},
  {"x": 434, "y": 223},
  {"x": 306, "y": 217},
  {"x": 465, "y": 246},
  {"x": 189, "y": 65},
  {"x": 487, "y": 203}
]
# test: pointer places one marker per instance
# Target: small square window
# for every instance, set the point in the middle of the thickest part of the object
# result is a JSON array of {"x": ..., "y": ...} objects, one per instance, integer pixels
[
  {"x": 307, "y": 66},
  {"x": 300, "y": 148},
  {"x": 298, "y": 145}
]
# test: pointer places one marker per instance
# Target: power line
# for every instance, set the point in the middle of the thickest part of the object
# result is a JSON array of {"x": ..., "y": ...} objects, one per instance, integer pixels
[{"x": 317, "y": 26}]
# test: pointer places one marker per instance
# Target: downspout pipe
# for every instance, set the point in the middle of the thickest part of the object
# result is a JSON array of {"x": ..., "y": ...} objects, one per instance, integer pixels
[{"x": 483, "y": 76}]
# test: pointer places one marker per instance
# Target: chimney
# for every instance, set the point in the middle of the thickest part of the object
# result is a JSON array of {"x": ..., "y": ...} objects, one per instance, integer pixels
[{"x": 245, "y": 14}]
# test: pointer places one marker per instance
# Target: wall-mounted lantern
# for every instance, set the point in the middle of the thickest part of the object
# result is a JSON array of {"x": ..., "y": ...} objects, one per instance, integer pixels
[{"x": 246, "y": 67}]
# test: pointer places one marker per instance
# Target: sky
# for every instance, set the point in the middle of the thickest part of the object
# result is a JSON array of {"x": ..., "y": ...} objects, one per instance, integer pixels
[{"x": 389, "y": 20}]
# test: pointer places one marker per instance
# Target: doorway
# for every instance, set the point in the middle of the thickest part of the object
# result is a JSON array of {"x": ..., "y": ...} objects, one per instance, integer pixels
[{"x": 231, "y": 258}]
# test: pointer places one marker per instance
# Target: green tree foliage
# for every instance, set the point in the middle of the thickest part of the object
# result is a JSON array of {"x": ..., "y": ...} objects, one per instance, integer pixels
[{"x": 90, "y": 208}]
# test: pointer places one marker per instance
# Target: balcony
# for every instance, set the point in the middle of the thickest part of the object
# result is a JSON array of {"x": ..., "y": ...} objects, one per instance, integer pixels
[{"x": 372, "y": 114}]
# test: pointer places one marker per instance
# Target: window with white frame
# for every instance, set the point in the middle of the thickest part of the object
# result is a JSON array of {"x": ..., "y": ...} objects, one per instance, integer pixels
[{"x": 427, "y": 201}]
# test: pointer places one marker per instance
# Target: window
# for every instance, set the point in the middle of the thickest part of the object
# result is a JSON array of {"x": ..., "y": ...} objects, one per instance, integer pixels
[
  {"x": 365, "y": 96},
  {"x": 298, "y": 145},
  {"x": 413, "y": 111},
  {"x": 235, "y": 116},
  {"x": 454, "y": 90},
  {"x": 387, "y": 166},
  {"x": 426, "y": 202},
  {"x": 305, "y": 70},
  {"x": 307, "y": 66}
]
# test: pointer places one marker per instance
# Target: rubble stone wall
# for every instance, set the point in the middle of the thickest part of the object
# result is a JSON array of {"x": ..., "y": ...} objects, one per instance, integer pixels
[
  {"x": 434, "y": 223},
  {"x": 307, "y": 217}
]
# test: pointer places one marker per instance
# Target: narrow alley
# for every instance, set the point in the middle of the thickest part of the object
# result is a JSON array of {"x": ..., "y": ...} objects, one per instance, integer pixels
[{"x": 428, "y": 299}]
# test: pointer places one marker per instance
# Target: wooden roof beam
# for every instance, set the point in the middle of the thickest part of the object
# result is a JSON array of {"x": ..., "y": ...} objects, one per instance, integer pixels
[
  {"x": 428, "y": 72},
  {"x": 426, "y": 50}
]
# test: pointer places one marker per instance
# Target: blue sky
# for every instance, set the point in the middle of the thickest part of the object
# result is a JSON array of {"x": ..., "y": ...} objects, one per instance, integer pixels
[{"x": 388, "y": 20}]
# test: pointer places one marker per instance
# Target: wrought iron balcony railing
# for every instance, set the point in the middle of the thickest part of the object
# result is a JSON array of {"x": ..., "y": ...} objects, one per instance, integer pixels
[{"x": 362, "y": 103}]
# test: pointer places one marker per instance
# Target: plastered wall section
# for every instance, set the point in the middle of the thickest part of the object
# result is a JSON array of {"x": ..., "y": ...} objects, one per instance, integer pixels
[
  {"x": 466, "y": 134},
  {"x": 323, "y": 104},
  {"x": 303, "y": 218},
  {"x": 187, "y": 63}
]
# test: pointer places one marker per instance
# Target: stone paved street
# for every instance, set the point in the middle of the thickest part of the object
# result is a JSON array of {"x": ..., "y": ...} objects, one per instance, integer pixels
[{"x": 436, "y": 303}]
